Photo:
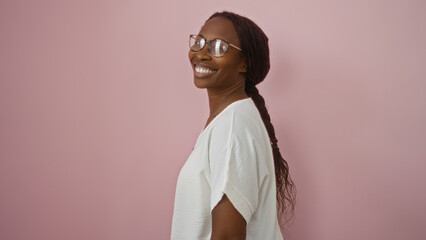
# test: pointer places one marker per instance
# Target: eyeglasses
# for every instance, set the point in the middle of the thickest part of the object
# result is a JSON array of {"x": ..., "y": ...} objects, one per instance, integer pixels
[{"x": 217, "y": 47}]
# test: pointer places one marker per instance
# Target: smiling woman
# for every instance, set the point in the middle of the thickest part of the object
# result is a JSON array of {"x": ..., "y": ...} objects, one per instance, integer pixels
[{"x": 235, "y": 176}]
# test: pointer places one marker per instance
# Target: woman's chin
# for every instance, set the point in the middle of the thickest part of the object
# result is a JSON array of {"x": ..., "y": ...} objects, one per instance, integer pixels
[{"x": 201, "y": 83}]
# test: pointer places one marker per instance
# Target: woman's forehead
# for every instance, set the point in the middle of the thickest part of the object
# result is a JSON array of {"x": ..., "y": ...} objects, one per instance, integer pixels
[{"x": 219, "y": 27}]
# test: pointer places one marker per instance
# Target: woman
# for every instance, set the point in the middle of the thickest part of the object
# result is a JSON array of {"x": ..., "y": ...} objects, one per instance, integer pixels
[{"x": 233, "y": 179}]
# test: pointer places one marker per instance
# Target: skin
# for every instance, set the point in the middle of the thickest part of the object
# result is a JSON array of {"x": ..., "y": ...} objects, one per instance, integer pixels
[{"x": 223, "y": 88}]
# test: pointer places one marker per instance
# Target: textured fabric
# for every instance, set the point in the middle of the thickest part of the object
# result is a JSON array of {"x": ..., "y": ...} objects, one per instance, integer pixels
[{"x": 231, "y": 156}]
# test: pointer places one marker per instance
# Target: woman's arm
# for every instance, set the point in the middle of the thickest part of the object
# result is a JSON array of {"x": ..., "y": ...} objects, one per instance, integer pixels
[{"x": 227, "y": 222}]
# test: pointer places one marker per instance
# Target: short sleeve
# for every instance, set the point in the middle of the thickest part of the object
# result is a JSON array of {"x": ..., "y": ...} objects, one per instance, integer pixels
[{"x": 234, "y": 169}]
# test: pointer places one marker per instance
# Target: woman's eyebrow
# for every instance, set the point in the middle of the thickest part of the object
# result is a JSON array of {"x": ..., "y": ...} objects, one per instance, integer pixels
[{"x": 201, "y": 35}]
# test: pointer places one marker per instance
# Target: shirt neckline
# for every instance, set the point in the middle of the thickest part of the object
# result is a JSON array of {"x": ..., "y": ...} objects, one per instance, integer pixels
[{"x": 226, "y": 108}]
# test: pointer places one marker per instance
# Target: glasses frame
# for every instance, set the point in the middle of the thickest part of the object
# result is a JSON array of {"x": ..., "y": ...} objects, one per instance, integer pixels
[{"x": 207, "y": 42}]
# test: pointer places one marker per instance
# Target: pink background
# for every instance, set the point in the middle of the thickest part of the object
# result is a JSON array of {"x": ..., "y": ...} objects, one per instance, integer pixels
[{"x": 99, "y": 112}]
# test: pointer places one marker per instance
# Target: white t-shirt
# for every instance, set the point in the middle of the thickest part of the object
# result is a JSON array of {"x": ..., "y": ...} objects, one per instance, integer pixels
[{"x": 231, "y": 156}]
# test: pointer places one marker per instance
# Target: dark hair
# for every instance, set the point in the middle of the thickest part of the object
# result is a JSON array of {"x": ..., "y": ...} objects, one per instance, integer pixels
[{"x": 255, "y": 50}]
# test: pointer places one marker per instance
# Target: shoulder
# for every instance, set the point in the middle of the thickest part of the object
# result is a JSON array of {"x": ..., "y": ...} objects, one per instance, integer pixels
[
  {"x": 241, "y": 121},
  {"x": 241, "y": 116}
]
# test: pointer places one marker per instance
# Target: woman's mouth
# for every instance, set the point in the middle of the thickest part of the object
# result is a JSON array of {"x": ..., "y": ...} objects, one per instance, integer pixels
[{"x": 203, "y": 72}]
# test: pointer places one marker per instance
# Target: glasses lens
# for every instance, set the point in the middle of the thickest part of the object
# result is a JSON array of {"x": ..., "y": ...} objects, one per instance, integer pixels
[
  {"x": 196, "y": 43},
  {"x": 218, "y": 48}
]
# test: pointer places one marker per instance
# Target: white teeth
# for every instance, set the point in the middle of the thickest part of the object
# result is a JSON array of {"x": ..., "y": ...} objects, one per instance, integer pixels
[{"x": 199, "y": 69}]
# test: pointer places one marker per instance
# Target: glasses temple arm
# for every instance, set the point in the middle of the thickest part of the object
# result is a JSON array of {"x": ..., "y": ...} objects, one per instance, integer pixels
[{"x": 230, "y": 44}]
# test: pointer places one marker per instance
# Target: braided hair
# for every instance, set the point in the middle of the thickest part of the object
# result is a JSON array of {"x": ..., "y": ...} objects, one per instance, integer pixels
[{"x": 255, "y": 50}]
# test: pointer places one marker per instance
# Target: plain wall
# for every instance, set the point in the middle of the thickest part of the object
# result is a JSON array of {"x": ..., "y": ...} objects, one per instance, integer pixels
[{"x": 99, "y": 112}]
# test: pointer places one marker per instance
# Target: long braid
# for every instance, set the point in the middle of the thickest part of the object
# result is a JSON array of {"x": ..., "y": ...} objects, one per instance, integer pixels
[
  {"x": 284, "y": 183},
  {"x": 255, "y": 51}
]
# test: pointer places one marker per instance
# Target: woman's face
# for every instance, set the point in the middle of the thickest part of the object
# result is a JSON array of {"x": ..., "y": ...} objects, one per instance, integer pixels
[{"x": 227, "y": 71}]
